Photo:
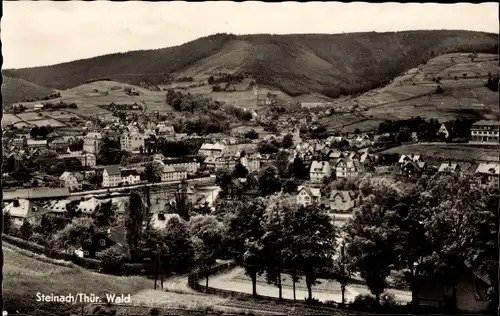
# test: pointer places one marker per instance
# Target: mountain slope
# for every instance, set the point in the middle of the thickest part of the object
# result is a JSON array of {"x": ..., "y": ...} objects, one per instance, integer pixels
[
  {"x": 297, "y": 64},
  {"x": 19, "y": 90}
]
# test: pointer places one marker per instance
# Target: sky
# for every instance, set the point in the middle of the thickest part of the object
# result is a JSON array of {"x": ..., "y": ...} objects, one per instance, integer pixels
[{"x": 36, "y": 33}]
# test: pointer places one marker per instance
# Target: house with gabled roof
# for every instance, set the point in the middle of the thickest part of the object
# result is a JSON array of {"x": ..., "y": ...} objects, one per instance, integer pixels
[
  {"x": 488, "y": 174},
  {"x": 319, "y": 170},
  {"x": 70, "y": 180},
  {"x": 342, "y": 201},
  {"x": 308, "y": 196},
  {"x": 346, "y": 168},
  {"x": 111, "y": 177},
  {"x": 174, "y": 173},
  {"x": 448, "y": 167},
  {"x": 406, "y": 158},
  {"x": 95, "y": 245},
  {"x": 413, "y": 168}
]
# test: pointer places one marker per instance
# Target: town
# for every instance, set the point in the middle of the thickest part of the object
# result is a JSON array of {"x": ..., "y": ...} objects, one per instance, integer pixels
[{"x": 218, "y": 193}]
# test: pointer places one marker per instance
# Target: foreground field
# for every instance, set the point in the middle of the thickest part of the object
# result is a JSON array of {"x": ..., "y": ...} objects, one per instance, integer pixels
[
  {"x": 449, "y": 152},
  {"x": 24, "y": 276}
]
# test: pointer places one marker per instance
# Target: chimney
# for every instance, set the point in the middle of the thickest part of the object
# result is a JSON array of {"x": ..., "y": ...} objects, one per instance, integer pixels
[{"x": 16, "y": 203}]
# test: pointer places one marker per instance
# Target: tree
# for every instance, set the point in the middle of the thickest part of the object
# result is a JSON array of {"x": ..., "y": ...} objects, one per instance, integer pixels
[
  {"x": 153, "y": 172},
  {"x": 297, "y": 169},
  {"x": 244, "y": 233},
  {"x": 342, "y": 272},
  {"x": 222, "y": 178},
  {"x": 179, "y": 254},
  {"x": 269, "y": 181},
  {"x": 104, "y": 215},
  {"x": 134, "y": 222},
  {"x": 251, "y": 134},
  {"x": 287, "y": 141},
  {"x": 72, "y": 209},
  {"x": 370, "y": 238},
  {"x": 112, "y": 259},
  {"x": 75, "y": 234},
  {"x": 181, "y": 205},
  {"x": 110, "y": 152},
  {"x": 313, "y": 233},
  {"x": 210, "y": 232},
  {"x": 76, "y": 145},
  {"x": 240, "y": 171},
  {"x": 7, "y": 223},
  {"x": 25, "y": 231}
]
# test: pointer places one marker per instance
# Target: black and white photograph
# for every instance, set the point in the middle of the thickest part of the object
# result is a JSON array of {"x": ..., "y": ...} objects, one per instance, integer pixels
[{"x": 250, "y": 158}]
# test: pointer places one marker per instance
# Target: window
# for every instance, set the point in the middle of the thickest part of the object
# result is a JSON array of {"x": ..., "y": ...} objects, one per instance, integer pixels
[
  {"x": 102, "y": 242},
  {"x": 161, "y": 217}
]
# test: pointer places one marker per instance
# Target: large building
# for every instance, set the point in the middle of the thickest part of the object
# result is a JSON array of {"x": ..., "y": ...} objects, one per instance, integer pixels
[
  {"x": 485, "y": 132},
  {"x": 91, "y": 142},
  {"x": 87, "y": 159},
  {"x": 132, "y": 141},
  {"x": 111, "y": 177}
]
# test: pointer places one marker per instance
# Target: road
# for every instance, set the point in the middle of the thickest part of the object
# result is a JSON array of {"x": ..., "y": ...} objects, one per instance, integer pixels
[{"x": 229, "y": 281}]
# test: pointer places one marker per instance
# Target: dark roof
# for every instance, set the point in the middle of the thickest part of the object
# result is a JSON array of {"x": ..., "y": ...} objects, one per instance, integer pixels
[
  {"x": 36, "y": 193},
  {"x": 113, "y": 171},
  {"x": 128, "y": 172}
]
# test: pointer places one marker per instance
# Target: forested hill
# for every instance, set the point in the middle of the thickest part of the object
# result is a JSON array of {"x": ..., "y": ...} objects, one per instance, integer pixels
[{"x": 296, "y": 64}]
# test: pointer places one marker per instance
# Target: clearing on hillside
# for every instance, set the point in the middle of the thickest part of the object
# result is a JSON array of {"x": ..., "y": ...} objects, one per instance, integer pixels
[{"x": 18, "y": 90}]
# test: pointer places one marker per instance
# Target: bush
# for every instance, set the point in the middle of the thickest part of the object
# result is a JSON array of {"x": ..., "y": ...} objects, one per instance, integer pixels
[
  {"x": 154, "y": 311},
  {"x": 388, "y": 300},
  {"x": 364, "y": 303},
  {"x": 112, "y": 260}
]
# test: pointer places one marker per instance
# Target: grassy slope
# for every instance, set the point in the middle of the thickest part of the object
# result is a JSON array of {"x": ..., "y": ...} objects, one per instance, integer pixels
[
  {"x": 17, "y": 90},
  {"x": 465, "y": 97},
  {"x": 296, "y": 64},
  {"x": 25, "y": 276}
]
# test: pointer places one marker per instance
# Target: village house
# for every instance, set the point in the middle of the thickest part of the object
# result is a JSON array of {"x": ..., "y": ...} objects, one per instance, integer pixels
[
  {"x": 111, "y": 177},
  {"x": 252, "y": 163},
  {"x": 308, "y": 196},
  {"x": 92, "y": 142},
  {"x": 485, "y": 132},
  {"x": 319, "y": 170},
  {"x": 165, "y": 130},
  {"x": 448, "y": 167},
  {"x": 190, "y": 164},
  {"x": 130, "y": 177},
  {"x": 403, "y": 159},
  {"x": 59, "y": 144},
  {"x": 345, "y": 168},
  {"x": 93, "y": 247},
  {"x": 488, "y": 174},
  {"x": 86, "y": 159},
  {"x": 70, "y": 181},
  {"x": 132, "y": 141},
  {"x": 445, "y": 129},
  {"x": 18, "y": 142},
  {"x": 88, "y": 207},
  {"x": 20, "y": 210},
  {"x": 342, "y": 201},
  {"x": 173, "y": 173},
  {"x": 211, "y": 150},
  {"x": 412, "y": 168},
  {"x": 32, "y": 143},
  {"x": 38, "y": 194}
]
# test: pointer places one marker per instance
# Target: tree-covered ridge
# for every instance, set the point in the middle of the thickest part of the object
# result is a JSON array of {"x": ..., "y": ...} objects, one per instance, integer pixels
[{"x": 297, "y": 64}]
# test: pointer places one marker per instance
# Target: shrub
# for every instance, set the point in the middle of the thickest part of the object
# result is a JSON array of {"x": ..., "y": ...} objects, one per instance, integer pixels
[
  {"x": 364, "y": 303},
  {"x": 154, "y": 311},
  {"x": 388, "y": 300},
  {"x": 112, "y": 259}
]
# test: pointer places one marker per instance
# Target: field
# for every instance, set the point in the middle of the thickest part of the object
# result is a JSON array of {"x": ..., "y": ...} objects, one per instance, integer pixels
[
  {"x": 9, "y": 119},
  {"x": 24, "y": 276},
  {"x": 414, "y": 93},
  {"x": 449, "y": 152},
  {"x": 46, "y": 122},
  {"x": 88, "y": 100},
  {"x": 18, "y": 90}
]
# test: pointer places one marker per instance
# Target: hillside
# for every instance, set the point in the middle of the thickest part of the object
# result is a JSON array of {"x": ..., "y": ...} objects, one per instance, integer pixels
[
  {"x": 296, "y": 64},
  {"x": 19, "y": 90},
  {"x": 25, "y": 274}
]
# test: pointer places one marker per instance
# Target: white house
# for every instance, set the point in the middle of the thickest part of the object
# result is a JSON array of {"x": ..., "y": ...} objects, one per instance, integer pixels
[
  {"x": 19, "y": 211},
  {"x": 345, "y": 168},
  {"x": 130, "y": 177},
  {"x": 86, "y": 159},
  {"x": 448, "y": 167},
  {"x": 132, "y": 141},
  {"x": 165, "y": 130},
  {"x": 173, "y": 173},
  {"x": 485, "y": 132},
  {"x": 319, "y": 171},
  {"x": 212, "y": 150},
  {"x": 92, "y": 142},
  {"x": 342, "y": 201},
  {"x": 32, "y": 143},
  {"x": 406, "y": 158},
  {"x": 191, "y": 164},
  {"x": 89, "y": 206},
  {"x": 69, "y": 180},
  {"x": 488, "y": 173},
  {"x": 111, "y": 177},
  {"x": 308, "y": 196},
  {"x": 445, "y": 130}
]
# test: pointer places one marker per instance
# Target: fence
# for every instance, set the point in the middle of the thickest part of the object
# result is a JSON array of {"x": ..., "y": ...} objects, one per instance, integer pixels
[
  {"x": 87, "y": 263},
  {"x": 194, "y": 278}
]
